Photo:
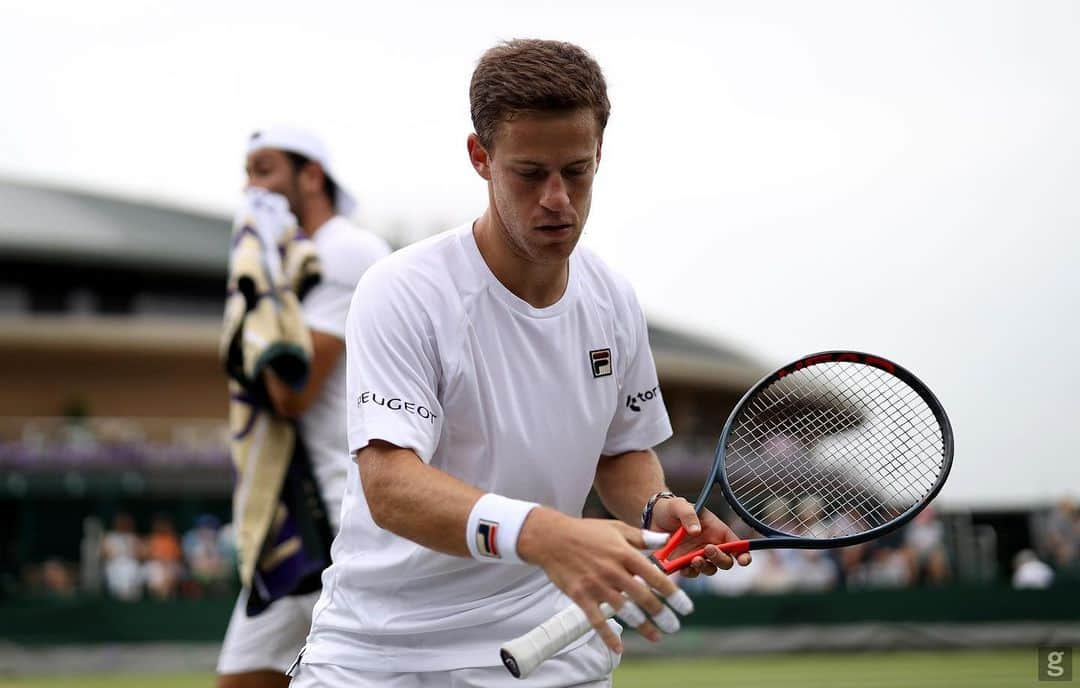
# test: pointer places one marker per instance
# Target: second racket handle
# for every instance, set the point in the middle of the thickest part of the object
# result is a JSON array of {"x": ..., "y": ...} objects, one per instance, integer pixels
[{"x": 523, "y": 654}]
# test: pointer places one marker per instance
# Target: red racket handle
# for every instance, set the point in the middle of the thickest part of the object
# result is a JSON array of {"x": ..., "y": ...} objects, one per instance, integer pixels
[
  {"x": 673, "y": 542},
  {"x": 734, "y": 548}
]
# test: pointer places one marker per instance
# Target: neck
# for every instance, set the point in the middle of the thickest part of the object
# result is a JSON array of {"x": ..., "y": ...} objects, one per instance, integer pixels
[
  {"x": 315, "y": 215},
  {"x": 539, "y": 284}
]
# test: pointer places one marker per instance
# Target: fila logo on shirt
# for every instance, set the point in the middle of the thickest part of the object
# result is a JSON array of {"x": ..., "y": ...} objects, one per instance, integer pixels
[
  {"x": 485, "y": 539},
  {"x": 600, "y": 359},
  {"x": 396, "y": 404},
  {"x": 634, "y": 401}
]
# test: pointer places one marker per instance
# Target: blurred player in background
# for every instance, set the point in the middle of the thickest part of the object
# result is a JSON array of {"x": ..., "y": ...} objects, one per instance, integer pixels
[
  {"x": 496, "y": 374},
  {"x": 295, "y": 164}
]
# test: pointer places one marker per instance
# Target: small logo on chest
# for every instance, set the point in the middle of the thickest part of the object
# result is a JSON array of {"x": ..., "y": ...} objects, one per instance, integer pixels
[{"x": 601, "y": 362}]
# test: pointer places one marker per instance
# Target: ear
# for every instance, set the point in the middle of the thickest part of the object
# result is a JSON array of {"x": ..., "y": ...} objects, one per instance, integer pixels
[
  {"x": 478, "y": 156},
  {"x": 311, "y": 178},
  {"x": 599, "y": 149}
]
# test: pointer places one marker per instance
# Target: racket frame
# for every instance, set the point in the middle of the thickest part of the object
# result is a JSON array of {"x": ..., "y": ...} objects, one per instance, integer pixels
[{"x": 778, "y": 539}]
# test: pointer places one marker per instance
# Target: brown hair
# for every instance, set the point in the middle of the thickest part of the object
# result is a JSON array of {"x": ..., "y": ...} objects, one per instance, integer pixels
[{"x": 531, "y": 75}]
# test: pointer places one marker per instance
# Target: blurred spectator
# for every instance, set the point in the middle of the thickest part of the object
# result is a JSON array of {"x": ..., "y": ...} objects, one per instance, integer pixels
[
  {"x": 1030, "y": 573},
  {"x": 812, "y": 570},
  {"x": 206, "y": 559},
  {"x": 886, "y": 567},
  {"x": 735, "y": 581},
  {"x": 772, "y": 577},
  {"x": 121, "y": 551},
  {"x": 227, "y": 542},
  {"x": 810, "y": 517},
  {"x": 924, "y": 540},
  {"x": 164, "y": 556},
  {"x": 1063, "y": 534},
  {"x": 57, "y": 578}
]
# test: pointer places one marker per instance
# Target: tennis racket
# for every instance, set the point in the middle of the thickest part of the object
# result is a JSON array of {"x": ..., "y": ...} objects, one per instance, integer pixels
[{"x": 834, "y": 449}]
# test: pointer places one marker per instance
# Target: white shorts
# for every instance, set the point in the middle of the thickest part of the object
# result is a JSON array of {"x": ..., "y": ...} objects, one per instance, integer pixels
[
  {"x": 269, "y": 641},
  {"x": 588, "y": 666}
]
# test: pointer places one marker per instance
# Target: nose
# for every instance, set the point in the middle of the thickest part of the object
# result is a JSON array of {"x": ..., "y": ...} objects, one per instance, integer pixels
[{"x": 555, "y": 195}]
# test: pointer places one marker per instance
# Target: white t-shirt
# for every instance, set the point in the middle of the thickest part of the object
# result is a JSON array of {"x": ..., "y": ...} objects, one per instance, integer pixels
[
  {"x": 345, "y": 252},
  {"x": 516, "y": 400}
]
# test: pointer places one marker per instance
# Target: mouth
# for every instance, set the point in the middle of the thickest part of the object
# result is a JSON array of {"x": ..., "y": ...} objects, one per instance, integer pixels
[{"x": 554, "y": 229}]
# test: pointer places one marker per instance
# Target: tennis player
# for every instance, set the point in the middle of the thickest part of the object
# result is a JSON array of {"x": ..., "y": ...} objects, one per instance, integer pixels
[
  {"x": 294, "y": 163},
  {"x": 496, "y": 372}
]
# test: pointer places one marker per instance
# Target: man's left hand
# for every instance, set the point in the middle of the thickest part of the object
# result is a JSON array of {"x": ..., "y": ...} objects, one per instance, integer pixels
[{"x": 702, "y": 530}]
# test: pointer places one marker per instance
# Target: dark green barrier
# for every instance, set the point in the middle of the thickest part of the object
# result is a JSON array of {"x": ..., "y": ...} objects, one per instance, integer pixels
[
  {"x": 100, "y": 620},
  {"x": 89, "y": 620},
  {"x": 955, "y": 604}
]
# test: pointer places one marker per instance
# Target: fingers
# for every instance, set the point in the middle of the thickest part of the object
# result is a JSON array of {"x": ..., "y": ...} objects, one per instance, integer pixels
[
  {"x": 709, "y": 565},
  {"x": 666, "y": 620},
  {"x": 688, "y": 518},
  {"x": 700, "y": 567},
  {"x": 642, "y": 589},
  {"x": 678, "y": 600},
  {"x": 720, "y": 533},
  {"x": 597, "y": 617},
  {"x": 652, "y": 576},
  {"x": 660, "y": 614},
  {"x": 717, "y": 558},
  {"x": 640, "y": 594},
  {"x": 641, "y": 538},
  {"x": 653, "y": 540},
  {"x": 618, "y": 581},
  {"x": 632, "y": 615}
]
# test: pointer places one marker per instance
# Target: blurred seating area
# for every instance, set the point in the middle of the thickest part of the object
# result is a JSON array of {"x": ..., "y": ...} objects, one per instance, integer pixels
[
  {"x": 916, "y": 555},
  {"x": 1027, "y": 548},
  {"x": 134, "y": 508},
  {"x": 129, "y": 565},
  {"x": 77, "y": 441}
]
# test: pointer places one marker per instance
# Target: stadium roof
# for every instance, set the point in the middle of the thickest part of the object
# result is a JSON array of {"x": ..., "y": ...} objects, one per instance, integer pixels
[
  {"x": 51, "y": 223},
  {"x": 680, "y": 358},
  {"x": 693, "y": 360},
  {"x": 57, "y": 225}
]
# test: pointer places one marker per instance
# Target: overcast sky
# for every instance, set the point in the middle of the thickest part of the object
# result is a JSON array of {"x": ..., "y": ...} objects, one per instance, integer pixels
[{"x": 785, "y": 177}]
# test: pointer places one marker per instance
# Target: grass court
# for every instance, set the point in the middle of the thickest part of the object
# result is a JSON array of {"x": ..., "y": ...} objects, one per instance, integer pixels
[{"x": 982, "y": 669}]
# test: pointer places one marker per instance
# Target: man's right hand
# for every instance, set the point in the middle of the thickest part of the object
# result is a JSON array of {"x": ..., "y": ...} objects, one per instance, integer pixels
[
  {"x": 269, "y": 210},
  {"x": 598, "y": 560}
]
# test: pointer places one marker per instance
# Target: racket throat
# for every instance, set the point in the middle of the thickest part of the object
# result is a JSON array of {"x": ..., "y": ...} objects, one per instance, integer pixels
[{"x": 734, "y": 548}]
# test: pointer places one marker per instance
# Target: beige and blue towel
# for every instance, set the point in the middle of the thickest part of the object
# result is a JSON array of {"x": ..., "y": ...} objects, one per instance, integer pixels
[{"x": 281, "y": 527}]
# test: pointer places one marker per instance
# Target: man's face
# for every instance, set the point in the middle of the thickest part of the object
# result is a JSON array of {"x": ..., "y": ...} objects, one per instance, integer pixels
[
  {"x": 541, "y": 171},
  {"x": 272, "y": 170}
]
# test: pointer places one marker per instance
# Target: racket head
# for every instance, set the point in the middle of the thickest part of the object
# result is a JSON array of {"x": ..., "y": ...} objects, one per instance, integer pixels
[{"x": 862, "y": 384}]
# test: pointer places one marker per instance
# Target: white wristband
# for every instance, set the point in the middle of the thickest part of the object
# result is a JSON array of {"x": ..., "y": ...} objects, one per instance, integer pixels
[{"x": 494, "y": 525}]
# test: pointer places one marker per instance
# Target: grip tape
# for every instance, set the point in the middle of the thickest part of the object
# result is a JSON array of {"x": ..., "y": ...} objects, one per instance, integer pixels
[{"x": 523, "y": 654}]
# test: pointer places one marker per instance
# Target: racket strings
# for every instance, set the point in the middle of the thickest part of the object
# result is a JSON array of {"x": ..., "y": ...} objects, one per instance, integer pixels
[
  {"x": 832, "y": 450},
  {"x": 782, "y": 469},
  {"x": 875, "y": 436},
  {"x": 917, "y": 460},
  {"x": 852, "y": 497}
]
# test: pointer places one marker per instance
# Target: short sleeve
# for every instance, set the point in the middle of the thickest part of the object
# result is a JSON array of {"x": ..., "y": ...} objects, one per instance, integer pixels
[
  {"x": 345, "y": 257},
  {"x": 641, "y": 419},
  {"x": 326, "y": 306},
  {"x": 392, "y": 368}
]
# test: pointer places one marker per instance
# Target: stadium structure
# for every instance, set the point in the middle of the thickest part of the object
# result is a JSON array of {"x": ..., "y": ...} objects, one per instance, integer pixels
[
  {"x": 109, "y": 325},
  {"x": 113, "y": 398}
]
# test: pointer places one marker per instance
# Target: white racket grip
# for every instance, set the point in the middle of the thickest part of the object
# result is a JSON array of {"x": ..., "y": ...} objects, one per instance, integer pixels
[{"x": 523, "y": 654}]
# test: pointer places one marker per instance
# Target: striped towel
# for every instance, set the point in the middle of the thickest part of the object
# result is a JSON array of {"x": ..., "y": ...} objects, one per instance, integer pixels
[{"x": 281, "y": 527}]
